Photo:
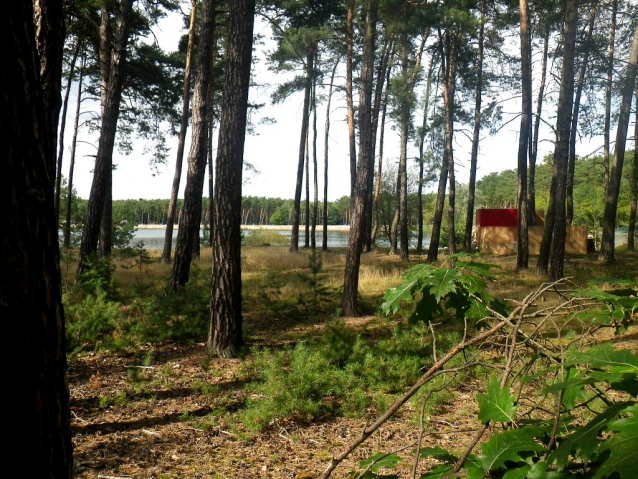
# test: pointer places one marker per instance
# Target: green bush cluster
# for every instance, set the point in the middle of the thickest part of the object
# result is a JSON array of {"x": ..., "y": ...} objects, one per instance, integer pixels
[{"x": 340, "y": 373}]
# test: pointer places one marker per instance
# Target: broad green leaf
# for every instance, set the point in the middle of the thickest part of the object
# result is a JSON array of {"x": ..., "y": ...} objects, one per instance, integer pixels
[
  {"x": 442, "y": 282},
  {"x": 507, "y": 446},
  {"x": 496, "y": 405},
  {"x": 437, "y": 472},
  {"x": 623, "y": 447},
  {"x": 620, "y": 361},
  {"x": 540, "y": 471},
  {"x": 426, "y": 308},
  {"x": 584, "y": 441},
  {"x": 393, "y": 297},
  {"x": 609, "y": 280},
  {"x": 437, "y": 453},
  {"x": 517, "y": 473},
  {"x": 573, "y": 388},
  {"x": 381, "y": 460},
  {"x": 474, "y": 285}
]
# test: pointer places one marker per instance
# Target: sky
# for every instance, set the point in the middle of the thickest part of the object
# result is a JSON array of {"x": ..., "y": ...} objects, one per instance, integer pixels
[{"x": 273, "y": 148}]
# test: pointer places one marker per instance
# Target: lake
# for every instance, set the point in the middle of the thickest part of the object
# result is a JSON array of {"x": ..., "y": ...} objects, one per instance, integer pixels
[{"x": 153, "y": 238}]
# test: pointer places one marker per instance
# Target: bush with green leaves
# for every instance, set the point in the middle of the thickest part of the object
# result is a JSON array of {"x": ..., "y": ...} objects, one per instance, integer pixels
[
  {"x": 341, "y": 373},
  {"x": 582, "y": 420}
]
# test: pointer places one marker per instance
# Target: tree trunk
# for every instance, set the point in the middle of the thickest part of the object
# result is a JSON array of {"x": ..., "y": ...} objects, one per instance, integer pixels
[
  {"x": 631, "y": 224},
  {"x": 65, "y": 104},
  {"x": 49, "y": 38},
  {"x": 615, "y": 174},
  {"x": 294, "y": 234},
  {"x": 447, "y": 165},
  {"x": 225, "y": 336},
  {"x": 608, "y": 88},
  {"x": 571, "y": 160},
  {"x": 110, "y": 113},
  {"x": 419, "y": 196},
  {"x": 307, "y": 202},
  {"x": 315, "y": 204},
  {"x": 30, "y": 284},
  {"x": 555, "y": 230},
  {"x": 172, "y": 206},
  {"x": 377, "y": 188},
  {"x": 476, "y": 134},
  {"x": 349, "y": 99},
  {"x": 522, "y": 256},
  {"x": 69, "y": 190},
  {"x": 106, "y": 225},
  {"x": 324, "y": 244},
  {"x": 382, "y": 72},
  {"x": 531, "y": 190},
  {"x": 191, "y": 215},
  {"x": 364, "y": 166},
  {"x": 211, "y": 183}
]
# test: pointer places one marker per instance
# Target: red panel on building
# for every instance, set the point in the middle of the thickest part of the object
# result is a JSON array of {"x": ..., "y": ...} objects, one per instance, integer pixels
[{"x": 496, "y": 217}]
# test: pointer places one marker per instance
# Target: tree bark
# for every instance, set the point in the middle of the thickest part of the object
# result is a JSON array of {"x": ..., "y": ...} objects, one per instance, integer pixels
[
  {"x": 112, "y": 95},
  {"x": 615, "y": 174},
  {"x": 172, "y": 206},
  {"x": 307, "y": 202},
  {"x": 364, "y": 167},
  {"x": 377, "y": 187},
  {"x": 191, "y": 215},
  {"x": 476, "y": 134},
  {"x": 30, "y": 283},
  {"x": 522, "y": 256},
  {"x": 294, "y": 234},
  {"x": 225, "y": 336}
]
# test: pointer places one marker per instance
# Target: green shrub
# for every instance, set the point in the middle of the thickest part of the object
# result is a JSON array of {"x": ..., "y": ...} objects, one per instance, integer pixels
[
  {"x": 94, "y": 322},
  {"x": 264, "y": 237}
]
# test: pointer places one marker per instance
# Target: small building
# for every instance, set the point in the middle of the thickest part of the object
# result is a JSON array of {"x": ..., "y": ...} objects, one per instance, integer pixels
[{"x": 497, "y": 233}]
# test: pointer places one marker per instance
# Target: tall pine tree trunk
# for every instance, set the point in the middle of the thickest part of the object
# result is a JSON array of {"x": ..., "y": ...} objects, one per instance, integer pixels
[
  {"x": 191, "y": 215},
  {"x": 476, "y": 134},
  {"x": 172, "y": 206},
  {"x": 522, "y": 256},
  {"x": 30, "y": 285},
  {"x": 364, "y": 166},
  {"x": 424, "y": 129},
  {"x": 531, "y": 190},
  {"x": 631, "y": 223},
  {"x": 324, "y": 243},
  {"x": 112, "y": 95},
  {"x": 65, "y": 104},
  {"x": 608, "y": 89},
  {"x": 225, "y": 336},
  {"x": 296, "y": 210},
  {"x": 613, "y": 189},
  {"x": 571, "y": 161},
  {"x": 555, "y": 226},
  {"x": 349, "y": 100},
  {"x": 74, "y": 142}
]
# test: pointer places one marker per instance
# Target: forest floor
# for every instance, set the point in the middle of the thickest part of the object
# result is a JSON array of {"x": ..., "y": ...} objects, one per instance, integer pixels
[{"x": 165, "y": 410}]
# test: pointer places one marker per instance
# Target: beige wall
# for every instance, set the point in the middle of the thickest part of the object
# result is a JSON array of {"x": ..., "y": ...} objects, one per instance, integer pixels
[{"x": 501, "y": 240}]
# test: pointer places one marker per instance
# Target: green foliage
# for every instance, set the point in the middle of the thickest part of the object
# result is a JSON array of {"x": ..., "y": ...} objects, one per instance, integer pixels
[
  {"x": 578, "y": 441},
  {"x": 95, "y": 322},
  {"x": 497, "y": 405},
  {"x": 340, "y": 373},
  {"x": 264, "y": 237},
  {"x": 442, "y": 293}
]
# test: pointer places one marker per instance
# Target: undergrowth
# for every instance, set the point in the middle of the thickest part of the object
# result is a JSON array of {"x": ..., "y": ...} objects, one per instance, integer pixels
[{"x": 341, "y": 373}]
